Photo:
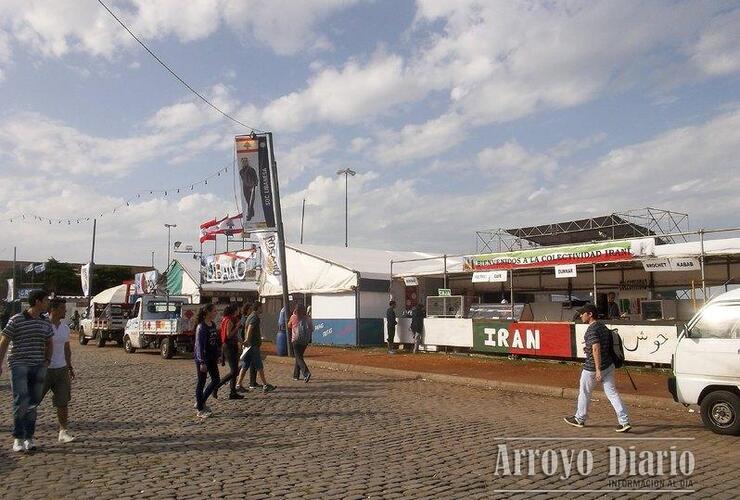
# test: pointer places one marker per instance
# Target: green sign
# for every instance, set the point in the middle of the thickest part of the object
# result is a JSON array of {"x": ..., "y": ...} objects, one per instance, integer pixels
[{"x": 444, "y": 292}]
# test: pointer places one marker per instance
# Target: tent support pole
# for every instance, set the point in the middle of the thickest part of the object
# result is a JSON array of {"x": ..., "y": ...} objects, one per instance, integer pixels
[
  {"x": 511, "y": 292},
  {"x": 703, "y": 277},
  {"x": 594, "y": 270}
]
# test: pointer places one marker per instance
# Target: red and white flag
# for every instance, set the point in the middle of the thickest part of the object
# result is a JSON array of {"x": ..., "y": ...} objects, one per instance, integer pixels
[
  {"x": 230, "y": 225},
  {"x": 208, "y": 230}
]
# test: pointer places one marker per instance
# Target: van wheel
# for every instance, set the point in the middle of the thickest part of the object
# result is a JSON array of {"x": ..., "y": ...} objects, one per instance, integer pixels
[
  {"x": 127, "y": 346},
  {"x": 100, "y": 339},
  {"x": 83, "y": 340},
  {"x": 167, "y": 348},
  {"x": 720, "y": 411}
]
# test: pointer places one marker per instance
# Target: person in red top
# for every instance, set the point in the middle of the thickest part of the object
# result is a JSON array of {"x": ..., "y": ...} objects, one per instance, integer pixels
[
  {"x": 300, "y": 327},
  {"x": 228, "y": 330}
]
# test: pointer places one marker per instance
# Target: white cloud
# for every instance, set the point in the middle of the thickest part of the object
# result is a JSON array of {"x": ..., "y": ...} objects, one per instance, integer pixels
[
  {"x": 718, "y": 51},
  {"x": 174, "y": 133},
  {"x": 55, "y": 28},
  {"x": 347, "y": 95},
  {"x": 285, "y": 25},
  {"x": 420, "y": 141},
  {"x": 304, "y": 156}
]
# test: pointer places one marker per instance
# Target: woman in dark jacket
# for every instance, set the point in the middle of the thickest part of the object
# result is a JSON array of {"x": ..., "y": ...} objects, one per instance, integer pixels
[{"x": 207, "y": 354}]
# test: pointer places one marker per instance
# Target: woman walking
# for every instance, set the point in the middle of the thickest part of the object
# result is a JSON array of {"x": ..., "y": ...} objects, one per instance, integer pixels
[
  {"x": 207, "y": 353},
  {"x": 301, "y": 329},
  {"x": 230, "y": 348}
]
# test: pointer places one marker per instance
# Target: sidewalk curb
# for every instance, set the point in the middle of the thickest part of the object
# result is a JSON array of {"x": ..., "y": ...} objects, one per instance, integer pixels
[{"x": 535, "y": 389}]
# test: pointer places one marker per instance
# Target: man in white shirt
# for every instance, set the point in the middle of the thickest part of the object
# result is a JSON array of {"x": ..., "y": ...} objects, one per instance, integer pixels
[{"x": 60, "y": 373}]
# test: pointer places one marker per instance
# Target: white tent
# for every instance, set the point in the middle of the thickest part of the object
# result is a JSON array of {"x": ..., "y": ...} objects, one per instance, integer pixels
[
  {"x": 727, "y": 246},
  {"x": 329, "y": 269},
  {"x": 115, "y": 295}
]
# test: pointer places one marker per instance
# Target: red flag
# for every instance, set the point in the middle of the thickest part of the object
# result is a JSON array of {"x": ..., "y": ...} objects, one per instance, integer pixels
[{"x": 208, "y": 230}]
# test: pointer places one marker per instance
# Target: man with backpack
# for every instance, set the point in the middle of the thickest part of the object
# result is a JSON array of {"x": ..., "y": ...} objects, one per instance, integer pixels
[{"x": 598, "y": 367}]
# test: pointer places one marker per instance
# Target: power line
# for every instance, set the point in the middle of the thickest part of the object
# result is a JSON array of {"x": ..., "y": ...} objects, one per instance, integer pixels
[{"x": 165, "y": 66}]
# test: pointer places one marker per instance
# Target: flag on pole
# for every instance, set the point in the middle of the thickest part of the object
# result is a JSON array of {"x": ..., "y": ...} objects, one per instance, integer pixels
[
  {"x": 208, "y": 230},
  {"x": 230, "y": 225}
]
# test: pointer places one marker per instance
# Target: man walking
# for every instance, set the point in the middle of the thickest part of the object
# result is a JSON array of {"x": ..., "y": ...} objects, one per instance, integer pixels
[
  {"x": 29, "y": 336},
  {"x": 391, "y": 322},
  {"x": 597, "y": 368},
  {"x": 253, "y": 340},
  {"x": 417, "y": 325},
  {"x": 60, "y": 374}
]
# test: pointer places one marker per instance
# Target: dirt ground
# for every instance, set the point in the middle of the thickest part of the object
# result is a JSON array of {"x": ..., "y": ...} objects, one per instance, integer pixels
[{"x": 649, "y": 382}]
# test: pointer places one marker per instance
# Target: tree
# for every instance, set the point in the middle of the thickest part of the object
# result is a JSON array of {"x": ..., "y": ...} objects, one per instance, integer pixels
[{"x": 61, "y": 278}]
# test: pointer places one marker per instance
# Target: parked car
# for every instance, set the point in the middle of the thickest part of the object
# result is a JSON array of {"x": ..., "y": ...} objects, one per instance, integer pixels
[{"x": 706, "y": 364}]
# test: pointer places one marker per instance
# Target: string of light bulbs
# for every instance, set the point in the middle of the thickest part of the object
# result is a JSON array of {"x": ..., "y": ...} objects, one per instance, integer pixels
[{"x": 171, "y": 191}]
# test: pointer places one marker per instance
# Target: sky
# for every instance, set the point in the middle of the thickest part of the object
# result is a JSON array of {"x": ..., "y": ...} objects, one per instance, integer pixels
[{"x": 457, "y": 116}]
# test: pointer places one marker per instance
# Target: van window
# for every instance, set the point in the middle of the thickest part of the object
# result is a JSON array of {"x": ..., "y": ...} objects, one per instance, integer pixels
[{"x": 718, "y": 322}]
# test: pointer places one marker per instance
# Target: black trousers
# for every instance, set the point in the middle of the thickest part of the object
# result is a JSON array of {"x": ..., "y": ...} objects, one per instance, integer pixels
[
  {"x": 232, "y": 358},
  {"x": 391, "y": 334},
  {"x": 202, "y": 392},
  {"x": 300, "y": 368}
]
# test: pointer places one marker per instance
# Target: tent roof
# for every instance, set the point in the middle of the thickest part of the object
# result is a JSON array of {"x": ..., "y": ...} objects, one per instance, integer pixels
[
  {"x": 727, "y": 246},
  {"x": 116, "y": 294},
  {"x": 190, "y": 266},
  {"x": 375, "y": 264}
]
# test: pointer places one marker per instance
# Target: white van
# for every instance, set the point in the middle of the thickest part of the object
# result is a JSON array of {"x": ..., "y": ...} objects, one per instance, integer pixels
[{"x": 706, "y": 364}]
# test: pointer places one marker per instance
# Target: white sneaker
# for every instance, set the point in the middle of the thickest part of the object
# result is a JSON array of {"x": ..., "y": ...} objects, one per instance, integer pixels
[
  {"x": 64, "y": 436},
  {"x": 29, "y": 445},
  {"x": 203, "y": 414},
  {"x": 17, "y": 445}
]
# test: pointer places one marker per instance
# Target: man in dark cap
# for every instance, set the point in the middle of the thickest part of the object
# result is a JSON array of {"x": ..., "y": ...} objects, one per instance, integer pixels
[
  {"x": 29, "y": 335},
  {"x": 597, "y": 368}
]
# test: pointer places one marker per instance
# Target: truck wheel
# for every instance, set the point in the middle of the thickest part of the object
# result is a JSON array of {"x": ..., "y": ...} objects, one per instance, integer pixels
[
  {"x": 720, "y": 411},
  {"x": 127, "y": 346},
  {"x": 83, "y": 340},
  {"x": 101, "y": 339},
  {"x": 167, "y": 348}
]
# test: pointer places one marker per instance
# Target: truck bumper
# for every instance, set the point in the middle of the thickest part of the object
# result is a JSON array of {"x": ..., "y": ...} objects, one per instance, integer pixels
[{"x": 672, "y": 388}]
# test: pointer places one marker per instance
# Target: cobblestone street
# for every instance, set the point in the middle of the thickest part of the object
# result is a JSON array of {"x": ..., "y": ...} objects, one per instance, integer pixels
[{"x": 341, "y": 436}]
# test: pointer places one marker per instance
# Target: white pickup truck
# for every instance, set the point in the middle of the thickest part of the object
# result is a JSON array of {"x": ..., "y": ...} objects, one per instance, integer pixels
[
  {"x": 706, "y": 364},
  {"x": 161, "y": 322}
]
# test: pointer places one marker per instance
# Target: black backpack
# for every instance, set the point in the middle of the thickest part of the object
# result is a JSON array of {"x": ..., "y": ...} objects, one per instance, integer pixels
[{"x": 616, "y": 348}]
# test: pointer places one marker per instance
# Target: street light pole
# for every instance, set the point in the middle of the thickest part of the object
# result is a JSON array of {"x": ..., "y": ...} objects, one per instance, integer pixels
[{"x": 347, "y": 172}]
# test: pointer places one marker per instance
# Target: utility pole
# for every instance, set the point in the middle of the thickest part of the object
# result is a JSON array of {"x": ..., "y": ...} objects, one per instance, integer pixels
[
  {"x": 347, "y": 172},
  {"x": 303, "y": 214},
  {"x": 169, "y": 243},
  {"x": 152, "y": 259}
]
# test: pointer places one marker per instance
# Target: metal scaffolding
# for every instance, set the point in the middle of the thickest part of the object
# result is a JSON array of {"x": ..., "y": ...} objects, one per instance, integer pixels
[{"x": 644, "y": 222}]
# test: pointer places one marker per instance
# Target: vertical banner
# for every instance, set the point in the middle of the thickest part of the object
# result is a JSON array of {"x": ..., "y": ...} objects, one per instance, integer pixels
[
  {"x": 11, "y": 284},
  {"x": 146, "y": 282},
  {"x": 253, "y": 164},
  {"x": 270, "y": 258},
  {"x": 85, "y": 279}
]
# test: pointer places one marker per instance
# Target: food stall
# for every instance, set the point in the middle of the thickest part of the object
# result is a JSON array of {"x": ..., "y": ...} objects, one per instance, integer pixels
[{"x": 657, "y": 288}]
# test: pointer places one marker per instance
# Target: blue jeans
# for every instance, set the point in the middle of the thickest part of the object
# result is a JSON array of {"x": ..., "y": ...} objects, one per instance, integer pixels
[
  {"x": 27, "y": 383},
  {"x": 588, "y": 381}
]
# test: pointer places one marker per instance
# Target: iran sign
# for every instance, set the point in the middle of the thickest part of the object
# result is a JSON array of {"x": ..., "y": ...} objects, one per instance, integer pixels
[{"x": 525, "y": 338}]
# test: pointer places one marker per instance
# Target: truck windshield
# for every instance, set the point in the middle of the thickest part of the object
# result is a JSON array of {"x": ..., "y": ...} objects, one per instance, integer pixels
[{"x": 163, "y": 310}]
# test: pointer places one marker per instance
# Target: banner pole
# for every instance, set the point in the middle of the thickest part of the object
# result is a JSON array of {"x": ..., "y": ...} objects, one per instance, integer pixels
[{"x": 281, "y": 237}]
